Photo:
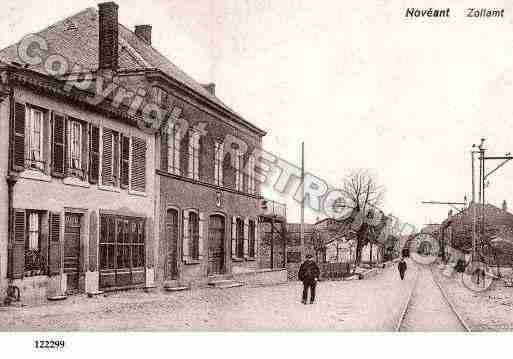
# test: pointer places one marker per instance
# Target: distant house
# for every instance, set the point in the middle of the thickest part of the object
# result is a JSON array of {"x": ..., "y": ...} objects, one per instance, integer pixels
[{"x": 456, "y": 233}]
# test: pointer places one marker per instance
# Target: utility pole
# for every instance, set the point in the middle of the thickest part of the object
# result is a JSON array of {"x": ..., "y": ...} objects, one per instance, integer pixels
[
  {"x": 302, "y": 229},
  {"x": 482, "y": 183}
]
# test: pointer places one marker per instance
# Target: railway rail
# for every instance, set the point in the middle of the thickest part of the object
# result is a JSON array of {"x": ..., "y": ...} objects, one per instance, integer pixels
[{"x": 428, "y": 308}]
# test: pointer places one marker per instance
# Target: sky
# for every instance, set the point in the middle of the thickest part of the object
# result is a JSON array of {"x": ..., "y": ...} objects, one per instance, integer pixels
[{"x": 360, "y": 84}]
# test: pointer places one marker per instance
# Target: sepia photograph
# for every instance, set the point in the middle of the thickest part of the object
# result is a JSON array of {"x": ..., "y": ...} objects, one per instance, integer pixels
[{"x": 286, "y": 166}]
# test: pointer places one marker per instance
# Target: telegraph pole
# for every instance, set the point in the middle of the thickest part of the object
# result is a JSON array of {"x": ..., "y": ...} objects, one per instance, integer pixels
[{"x": 302, "y": 229}]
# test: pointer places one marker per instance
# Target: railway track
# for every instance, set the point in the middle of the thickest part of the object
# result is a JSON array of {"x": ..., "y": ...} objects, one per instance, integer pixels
[{"x": 428, "y": 308}]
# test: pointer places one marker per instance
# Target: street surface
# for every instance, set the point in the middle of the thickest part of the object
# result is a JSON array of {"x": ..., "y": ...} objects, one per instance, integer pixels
[{"x": 371, "y": 304}]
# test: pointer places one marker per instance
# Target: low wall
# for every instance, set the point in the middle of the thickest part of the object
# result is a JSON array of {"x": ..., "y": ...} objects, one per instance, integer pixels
[{"x": 262, "y": 277}]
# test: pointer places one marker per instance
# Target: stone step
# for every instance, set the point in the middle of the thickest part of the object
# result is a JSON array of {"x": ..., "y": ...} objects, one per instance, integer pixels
[
  {"x": 175, "y": 288},
  {"x": 225, "y": 283}
]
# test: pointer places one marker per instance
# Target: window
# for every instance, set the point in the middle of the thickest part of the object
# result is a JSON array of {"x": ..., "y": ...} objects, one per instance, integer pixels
[
  {"x": 251, "y": 239},
  {"x": 75, "y": 146},
  {"x": 194, "y": 235},
  {"x": 218, "y": 163},
  {"x": 122, "y": 250},
  {"x": 35, "y": 139},
  {"x": 251, "y": 175},
  {"x": 34, "y": 260},
  {"x": 173, "y": 149},
  {"x": 239, "y": 175},
  {"x": 161, "y": 97},
  {"x": 194, "y": 148},
  {"x": 115, "y": 158},
  {"x": 239, "y": 245}
]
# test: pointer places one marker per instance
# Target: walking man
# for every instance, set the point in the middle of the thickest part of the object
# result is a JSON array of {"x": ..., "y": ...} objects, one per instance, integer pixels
[
  {"x": 402, "y": 268},
  {"x": 309, "y": 274}
]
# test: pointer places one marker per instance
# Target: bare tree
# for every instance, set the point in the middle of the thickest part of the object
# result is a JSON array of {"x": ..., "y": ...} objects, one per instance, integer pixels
[{"x": 363, "y": 195}]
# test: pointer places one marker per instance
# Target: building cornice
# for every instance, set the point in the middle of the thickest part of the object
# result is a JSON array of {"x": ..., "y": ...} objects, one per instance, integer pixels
[{"x": 156, "y": 74}]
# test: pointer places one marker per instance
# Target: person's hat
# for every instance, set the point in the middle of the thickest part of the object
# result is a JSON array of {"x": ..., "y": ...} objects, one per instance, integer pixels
[{"x": 308, "y": 256}]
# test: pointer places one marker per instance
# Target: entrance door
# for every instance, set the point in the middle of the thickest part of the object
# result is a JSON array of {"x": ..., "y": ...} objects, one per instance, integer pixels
[
  {"x": 72, "y": 250},
  {"x": 216, "y": 235},
  {"x": 170, "y": 267}
]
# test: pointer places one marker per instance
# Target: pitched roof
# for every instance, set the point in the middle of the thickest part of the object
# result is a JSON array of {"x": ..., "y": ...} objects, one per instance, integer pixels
[{"x": 76, "y": 39}]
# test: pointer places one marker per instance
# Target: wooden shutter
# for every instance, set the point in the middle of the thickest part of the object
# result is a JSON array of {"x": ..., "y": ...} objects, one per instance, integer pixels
[
  {"x": 185, "y": 237},
  {"x": 94, "y": 153},
  {"x": 58, "y": 145},
  {"x": 54, "y": 261},
  {"x": 17, "y": 264},
  {"x": 234, "y": 236},
  {"x": 164, "y": 148},
  {"x": 125, "y": 160},
  {"x": 107, "y": 157},
  {"x": 246, "y": 237},
  {"x": 18, "y": 141},
  {"x": 138, "y": 180},
  {"x": 149, "y": 242},
  {"x": 93, "y": 241},
  {"x": 201, "y": 234}
]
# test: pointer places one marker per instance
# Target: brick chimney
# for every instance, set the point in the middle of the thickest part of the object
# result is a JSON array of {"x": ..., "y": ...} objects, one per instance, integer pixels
[
  {"x": 108, "y": 36},
  {"x": 504, "y": 206},
  {"x": 211, "y": 88},
  {"x": 143, "y": 32}
]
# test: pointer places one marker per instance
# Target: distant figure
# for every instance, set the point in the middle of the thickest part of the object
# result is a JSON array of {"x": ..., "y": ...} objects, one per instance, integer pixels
[
  {"x": 402, "y": 268},
  {"x": 309, "y": 274}
]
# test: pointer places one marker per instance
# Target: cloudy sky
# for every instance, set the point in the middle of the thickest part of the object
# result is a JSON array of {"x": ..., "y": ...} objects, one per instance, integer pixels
[{"x": 363, "y": 86}]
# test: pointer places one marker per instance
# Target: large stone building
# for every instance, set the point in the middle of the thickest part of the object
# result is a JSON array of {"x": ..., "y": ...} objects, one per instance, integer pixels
[{"x": 122, "y": 171}]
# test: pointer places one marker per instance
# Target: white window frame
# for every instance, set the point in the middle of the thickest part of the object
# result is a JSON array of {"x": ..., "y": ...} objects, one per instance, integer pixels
[
  {"x": 251, "y": 175},
  {"x": 33, "y": 230},
  {"x": 75, "y": 144},
  {"x": 173, "y": 149},
  {"x": 35, "y": 161},
  {"x": 239, "y": 173},
  {"x": 218, "y": 163},
  {"x": 194, "y": 149}
]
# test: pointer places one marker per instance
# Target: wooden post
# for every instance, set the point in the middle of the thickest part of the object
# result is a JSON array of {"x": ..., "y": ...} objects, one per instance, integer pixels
[
  {"x": 272, "y": 243},
  {"x": 283, "y": 234}
]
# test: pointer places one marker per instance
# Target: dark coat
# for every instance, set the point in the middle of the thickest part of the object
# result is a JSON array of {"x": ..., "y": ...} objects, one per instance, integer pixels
[
  {"x": 402, "y": 266},
  {"x": 308, "y": 271}
]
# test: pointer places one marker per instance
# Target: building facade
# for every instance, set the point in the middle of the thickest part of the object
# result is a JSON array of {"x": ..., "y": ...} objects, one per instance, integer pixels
[{"x": 122, "y": 171}]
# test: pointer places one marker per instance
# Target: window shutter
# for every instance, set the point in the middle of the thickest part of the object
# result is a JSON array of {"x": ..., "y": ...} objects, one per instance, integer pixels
[
  {"x": 185, "y": 237},
  {"x": 246, "y": 237},
  {"x": 138, "y": 179},
  {"x": 54, "y": 262},
  {"x": 17, "y": 264},
  {"x": 125, "y": 160},
  {"x": 94, "y": 153},
  {"x": 164, "y": 148},
  {"x": 257, "y": 237},
  {"x": 234, "y": 237},
  {"x": 201, "y": 234},
  {"x": 149, "y": 242},
  {"x": 85, "y": 150},
  {"x": 58, "y": 145},
  {"x": 107, "y": 157},
  {"x": 18, "y": 145},
  {"x": 93, "y": 241}
]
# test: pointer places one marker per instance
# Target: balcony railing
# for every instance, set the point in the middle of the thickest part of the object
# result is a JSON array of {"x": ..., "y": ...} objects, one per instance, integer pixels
[{"x": 273, "y": 209}]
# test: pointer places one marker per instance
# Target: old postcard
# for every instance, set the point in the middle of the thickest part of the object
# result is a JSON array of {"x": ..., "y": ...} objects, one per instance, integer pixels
[{"x": 256, "y": 165}]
